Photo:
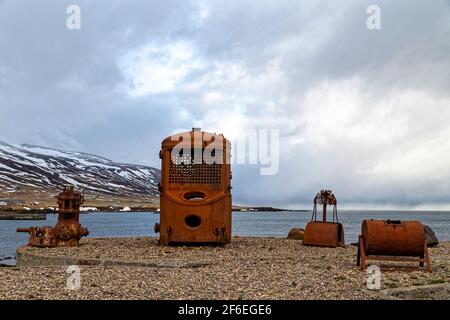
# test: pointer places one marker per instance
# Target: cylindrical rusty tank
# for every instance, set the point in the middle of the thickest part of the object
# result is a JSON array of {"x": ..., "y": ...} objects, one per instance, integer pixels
[
  {"x": 393, "y": 238},
  {"x": 195, "y": 189}
]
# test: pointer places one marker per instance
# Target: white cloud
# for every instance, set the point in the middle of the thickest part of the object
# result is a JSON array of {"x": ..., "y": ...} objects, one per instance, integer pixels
[{"x": 157, "y": 68}]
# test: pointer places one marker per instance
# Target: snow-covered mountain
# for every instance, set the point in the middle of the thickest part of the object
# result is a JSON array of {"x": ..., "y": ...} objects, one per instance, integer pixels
[{"x": 37, "y": 168}]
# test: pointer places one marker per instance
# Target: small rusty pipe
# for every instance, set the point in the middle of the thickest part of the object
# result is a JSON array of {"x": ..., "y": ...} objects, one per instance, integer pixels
[{"x": 27, "y": 230}]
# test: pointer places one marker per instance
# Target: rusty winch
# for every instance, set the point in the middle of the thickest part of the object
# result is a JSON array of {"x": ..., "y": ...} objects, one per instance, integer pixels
[
  {"x": 68, "y": 231},
  {"x": 195, "y": 189},
  {"x": 393, "y": 240},
  {"x": 324, "y": 233}
]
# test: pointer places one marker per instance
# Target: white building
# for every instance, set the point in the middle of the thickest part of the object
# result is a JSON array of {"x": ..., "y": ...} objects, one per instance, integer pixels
[{"x": 88, "y": 209}]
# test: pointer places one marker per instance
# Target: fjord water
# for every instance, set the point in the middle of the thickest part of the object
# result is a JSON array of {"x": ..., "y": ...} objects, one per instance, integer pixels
[{"x": 254, "y": 224}]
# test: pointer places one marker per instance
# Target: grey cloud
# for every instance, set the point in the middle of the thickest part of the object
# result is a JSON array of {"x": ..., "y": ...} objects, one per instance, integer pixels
[{"x": 66, "y": 89}]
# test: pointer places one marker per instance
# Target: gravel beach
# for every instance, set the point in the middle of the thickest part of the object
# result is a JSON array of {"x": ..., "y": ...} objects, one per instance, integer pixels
[{"x": 248, "y": 268}]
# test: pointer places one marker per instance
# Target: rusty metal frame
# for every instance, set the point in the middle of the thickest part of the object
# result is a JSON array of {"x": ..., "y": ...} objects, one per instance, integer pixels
[{"x": 362, "y": 257}]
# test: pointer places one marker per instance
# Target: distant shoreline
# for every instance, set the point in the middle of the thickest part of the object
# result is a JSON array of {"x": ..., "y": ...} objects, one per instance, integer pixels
[
  {"x": 15, "y": 212},
  {"x": 266, "y": 209}
]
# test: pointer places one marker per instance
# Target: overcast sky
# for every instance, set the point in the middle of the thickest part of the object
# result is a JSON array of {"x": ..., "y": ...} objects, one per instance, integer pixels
[{"x": 363, "y": 112}]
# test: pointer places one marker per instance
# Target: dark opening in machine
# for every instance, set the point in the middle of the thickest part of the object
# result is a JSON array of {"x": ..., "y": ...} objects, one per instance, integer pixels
[
  {"x": 193, "y": 221},
  {"x": 194, "y": 196},
  {"x": 393, "y": 222}
]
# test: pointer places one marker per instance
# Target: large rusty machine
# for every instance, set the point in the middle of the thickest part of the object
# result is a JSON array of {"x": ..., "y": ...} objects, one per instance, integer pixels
[
  {"x": 195, "y": 189},
  {"x": 68, "y": 231},
  {"x": 393, "y": 240},
  {"x": 324, "y": 233}
]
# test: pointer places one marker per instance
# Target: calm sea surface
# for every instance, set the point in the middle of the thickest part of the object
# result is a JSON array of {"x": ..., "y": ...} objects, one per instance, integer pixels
[{"x": 256, "y": 224}]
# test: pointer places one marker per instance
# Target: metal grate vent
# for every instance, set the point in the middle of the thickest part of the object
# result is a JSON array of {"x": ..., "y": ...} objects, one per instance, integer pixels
[{"x": 185, "y": 171}]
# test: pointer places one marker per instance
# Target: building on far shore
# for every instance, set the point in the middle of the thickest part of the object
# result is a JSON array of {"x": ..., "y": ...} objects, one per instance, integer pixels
[
  {"x": 12, "y": 202},
  {"x": 88, "y": 209}
]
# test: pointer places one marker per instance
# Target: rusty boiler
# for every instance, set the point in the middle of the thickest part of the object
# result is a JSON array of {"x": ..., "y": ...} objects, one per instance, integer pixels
[
  {"x": 393, "y": 240},
  {"x": 68, "y": 230},
  {"x": 195, "y": 189},
  {"x": 324, "y": 233}
]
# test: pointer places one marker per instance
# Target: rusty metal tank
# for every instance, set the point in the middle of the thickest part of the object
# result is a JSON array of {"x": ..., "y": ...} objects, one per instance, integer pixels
[
  {"x": 68, "y": 230},
  {"x": 324, "y": 233},
  {"x": 392, "y": 240},
  {"x": 390, "y": 237},
  {"x": 195, "y": 189}
]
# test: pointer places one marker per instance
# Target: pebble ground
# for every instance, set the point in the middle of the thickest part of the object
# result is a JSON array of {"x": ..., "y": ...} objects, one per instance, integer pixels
[{"x": 248, "y": 268}]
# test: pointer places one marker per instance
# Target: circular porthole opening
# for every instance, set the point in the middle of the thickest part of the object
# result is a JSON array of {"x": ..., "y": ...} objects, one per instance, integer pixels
[{"x": 193, "y": 221}]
